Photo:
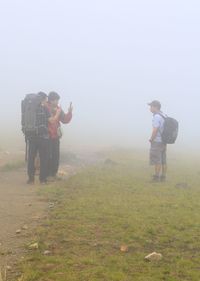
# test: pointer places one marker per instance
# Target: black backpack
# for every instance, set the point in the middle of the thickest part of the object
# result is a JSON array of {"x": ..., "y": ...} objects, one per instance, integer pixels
[
  {"x": 29, "y": 107},
  {"x": 170, "y": 131}
]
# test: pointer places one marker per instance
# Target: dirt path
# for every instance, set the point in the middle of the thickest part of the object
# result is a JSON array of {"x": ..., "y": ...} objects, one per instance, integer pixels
[{"x": 20, "y": 207}]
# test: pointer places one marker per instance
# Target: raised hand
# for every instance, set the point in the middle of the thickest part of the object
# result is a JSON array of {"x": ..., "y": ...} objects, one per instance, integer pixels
[{"x": 70, "y": 109}]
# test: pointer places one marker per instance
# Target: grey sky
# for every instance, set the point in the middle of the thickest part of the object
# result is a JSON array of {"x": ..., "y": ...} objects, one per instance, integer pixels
[{"x": 109, "y": 57}]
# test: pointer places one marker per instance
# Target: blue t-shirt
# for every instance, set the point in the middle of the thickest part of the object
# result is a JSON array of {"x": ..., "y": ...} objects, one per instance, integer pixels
[{"x": 158, "y": 122}]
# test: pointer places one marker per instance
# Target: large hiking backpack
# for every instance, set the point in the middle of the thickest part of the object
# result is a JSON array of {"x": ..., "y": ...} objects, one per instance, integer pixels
[
  {"x": 170, "y": 131},
  {"x": 29, "y": 108}
]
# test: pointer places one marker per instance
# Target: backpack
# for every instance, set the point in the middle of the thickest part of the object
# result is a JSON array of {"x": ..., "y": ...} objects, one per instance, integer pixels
[
  {"x": 29, "y": 108},
  {"x": 170, "y": 131}
]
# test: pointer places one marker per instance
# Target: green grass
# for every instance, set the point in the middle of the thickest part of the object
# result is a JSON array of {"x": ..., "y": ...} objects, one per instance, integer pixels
[
  {"x": 12, "y": 166},
  {"x": 107, "y": 206}
]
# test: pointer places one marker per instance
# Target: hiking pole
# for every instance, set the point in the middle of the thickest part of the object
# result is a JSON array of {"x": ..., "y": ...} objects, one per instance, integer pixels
[{"x": 26, "y": 152}]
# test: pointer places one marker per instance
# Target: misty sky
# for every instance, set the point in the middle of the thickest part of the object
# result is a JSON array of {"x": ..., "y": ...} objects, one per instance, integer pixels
[{"x": 110, "y": 58}]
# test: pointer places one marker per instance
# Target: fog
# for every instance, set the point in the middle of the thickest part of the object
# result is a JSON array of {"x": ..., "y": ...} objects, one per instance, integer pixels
[{"x": 109, "y": 58}]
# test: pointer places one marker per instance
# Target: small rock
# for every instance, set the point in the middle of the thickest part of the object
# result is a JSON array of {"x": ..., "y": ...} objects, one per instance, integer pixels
[
  {"x": 154, "y": 257},
  {"x": 34, "y": 246},
  {"x": 124, "y": 249},
  {"x": 18, "y": 231},
  {"x": 51, "y": 205},
  {"x": 25, "y": 227},
  {"x": 47, "y": 253},
  {"x": 9, "y": 268},
  {"x": 36, "y": 218}
]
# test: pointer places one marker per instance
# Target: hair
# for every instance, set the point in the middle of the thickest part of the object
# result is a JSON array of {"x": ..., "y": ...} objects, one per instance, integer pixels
[
  {"x": 42, "y": 96},
  {"x": 53, "y": 96}
]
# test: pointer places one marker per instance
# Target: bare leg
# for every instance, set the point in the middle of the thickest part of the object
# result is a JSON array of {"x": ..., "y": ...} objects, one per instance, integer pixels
[
  {"x": 156, "y": 177},
  {"x": 164, "y": 172},
  {"x": 158, "y": 170}
]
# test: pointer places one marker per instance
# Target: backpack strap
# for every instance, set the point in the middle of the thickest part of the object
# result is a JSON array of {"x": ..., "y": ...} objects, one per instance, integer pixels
[
  {"x": 162, "y": 115},
  {"x": 164, "y": 118}
]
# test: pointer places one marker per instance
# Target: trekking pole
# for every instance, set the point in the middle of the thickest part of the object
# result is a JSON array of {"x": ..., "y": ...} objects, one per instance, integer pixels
[{"x": 26, "y": 152}]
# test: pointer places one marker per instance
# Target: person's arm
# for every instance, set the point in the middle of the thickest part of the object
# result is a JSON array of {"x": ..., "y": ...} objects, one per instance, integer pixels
[
  {"x": 154, "y": 134},
  {"x": 156, "y": 126},
  {"x": 65, "y": 118}
]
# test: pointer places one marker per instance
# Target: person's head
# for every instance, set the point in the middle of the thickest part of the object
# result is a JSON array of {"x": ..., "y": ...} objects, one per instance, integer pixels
[
  {"x": 155, "y": 106},
  {"x": 43, "y": 98},
  {"x": 53, "y": 98}
]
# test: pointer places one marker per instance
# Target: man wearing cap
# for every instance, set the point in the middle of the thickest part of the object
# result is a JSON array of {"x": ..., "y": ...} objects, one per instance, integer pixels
[
  {"x": 158, "y": 148},
  {"x": 55, "y": 131}
]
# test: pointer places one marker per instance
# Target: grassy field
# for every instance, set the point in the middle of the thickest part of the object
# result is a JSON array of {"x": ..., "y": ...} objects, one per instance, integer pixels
[{"x": 114, "y": 204}]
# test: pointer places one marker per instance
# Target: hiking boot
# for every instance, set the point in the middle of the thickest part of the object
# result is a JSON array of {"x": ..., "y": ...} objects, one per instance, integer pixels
[
  {"x": 163, "y": 178},
  {"x": 155, "y": 178},
  {"x": 30, "y": 181},
  {"x": 45, "y": 182}
]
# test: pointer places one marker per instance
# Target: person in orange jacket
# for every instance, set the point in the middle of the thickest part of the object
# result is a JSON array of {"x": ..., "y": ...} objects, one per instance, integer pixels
[{"x": 55, "y": 132}]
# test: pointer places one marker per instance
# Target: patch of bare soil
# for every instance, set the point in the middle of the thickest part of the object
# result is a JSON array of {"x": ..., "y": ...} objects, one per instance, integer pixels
[{"x": 21, "y": 210}]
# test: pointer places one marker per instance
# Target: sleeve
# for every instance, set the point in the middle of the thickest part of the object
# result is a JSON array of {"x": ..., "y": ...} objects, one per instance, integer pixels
[{"x": 156, "y": 121}]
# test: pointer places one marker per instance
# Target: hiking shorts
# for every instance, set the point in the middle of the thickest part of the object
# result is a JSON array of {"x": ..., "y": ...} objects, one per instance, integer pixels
[{"x": 158, "y": 153}]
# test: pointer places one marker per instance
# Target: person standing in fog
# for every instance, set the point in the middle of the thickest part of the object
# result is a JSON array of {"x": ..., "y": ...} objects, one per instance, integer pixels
[
  {"x": 38, "y": 143},
  {"x": 158, "y": 148},
  {"x": 55, "y": 132}
]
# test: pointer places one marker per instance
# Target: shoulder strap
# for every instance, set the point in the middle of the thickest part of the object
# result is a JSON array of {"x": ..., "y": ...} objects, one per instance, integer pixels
[{"x": 162, "y": 115}]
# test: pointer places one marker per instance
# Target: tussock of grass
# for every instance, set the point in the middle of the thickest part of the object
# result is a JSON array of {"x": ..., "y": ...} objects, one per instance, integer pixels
[{"x": 104, "y": 207}]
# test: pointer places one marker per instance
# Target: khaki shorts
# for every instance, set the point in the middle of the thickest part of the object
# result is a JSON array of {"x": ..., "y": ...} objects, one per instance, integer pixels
[{"x": 158, "y": 155}]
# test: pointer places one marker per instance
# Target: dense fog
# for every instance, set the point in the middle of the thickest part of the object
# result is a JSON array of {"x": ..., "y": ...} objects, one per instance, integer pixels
[{"x": 110, "y": 58}]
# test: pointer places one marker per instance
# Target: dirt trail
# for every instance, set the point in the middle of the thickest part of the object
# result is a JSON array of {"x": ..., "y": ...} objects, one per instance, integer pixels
[{"x": 19, "y": 206}]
